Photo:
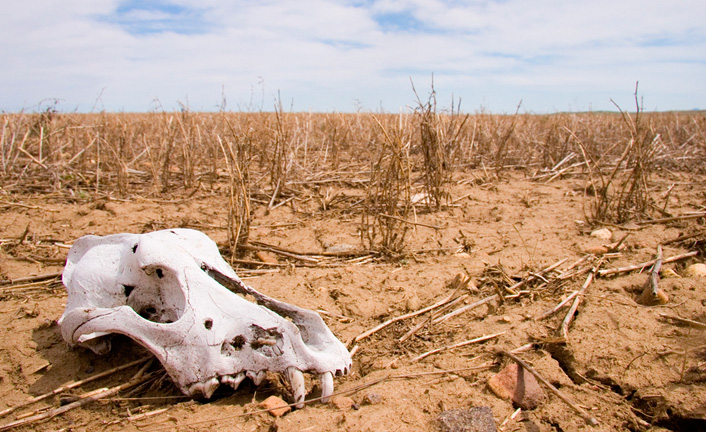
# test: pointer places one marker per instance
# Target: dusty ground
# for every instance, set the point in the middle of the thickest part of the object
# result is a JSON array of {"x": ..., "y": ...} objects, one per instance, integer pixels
[{"x": 623, "y": 362}]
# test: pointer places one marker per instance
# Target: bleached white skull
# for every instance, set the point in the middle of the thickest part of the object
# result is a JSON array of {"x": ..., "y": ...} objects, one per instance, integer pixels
[{"x": 172, "y": 292}]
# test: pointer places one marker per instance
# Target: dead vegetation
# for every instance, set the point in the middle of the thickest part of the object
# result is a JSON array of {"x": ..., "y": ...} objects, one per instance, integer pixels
[{"x": 386, "y": 178}]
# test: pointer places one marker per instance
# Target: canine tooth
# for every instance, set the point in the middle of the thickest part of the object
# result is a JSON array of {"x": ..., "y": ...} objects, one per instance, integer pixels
[
  {"x": 256, "y": 377},
  {"x": 296, "y": 380},
  {"x": 205, "y": 388},
  {"x": 326, "y": 386},
  {"x": 233, "y": 381}
]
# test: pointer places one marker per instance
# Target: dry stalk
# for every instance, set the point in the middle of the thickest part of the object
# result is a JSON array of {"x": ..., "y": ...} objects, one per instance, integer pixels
[
  {"x": 436, "y": 169},
  {"x": 237, "y": 160},
  {"x": 457, "y": 345},
  {"x": 620, "y": 197},
  {"x": 388, "y": 195}
]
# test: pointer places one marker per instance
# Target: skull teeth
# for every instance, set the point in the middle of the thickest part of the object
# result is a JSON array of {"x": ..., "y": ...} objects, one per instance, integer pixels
[
  {"x": 256, "y": 377},
  {"x": 205, "y": 389},
  {"x": 233, "y": 381},
  {"x": 326, "y": 380},
  {"x": 296, "y": 380}
]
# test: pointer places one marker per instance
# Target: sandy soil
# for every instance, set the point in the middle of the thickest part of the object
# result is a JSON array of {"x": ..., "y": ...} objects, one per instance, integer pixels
[{"x": 626, "y": 364}]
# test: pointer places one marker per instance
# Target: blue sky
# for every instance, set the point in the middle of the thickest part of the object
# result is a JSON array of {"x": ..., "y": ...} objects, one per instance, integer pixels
[{"x": 343, "y": 56}]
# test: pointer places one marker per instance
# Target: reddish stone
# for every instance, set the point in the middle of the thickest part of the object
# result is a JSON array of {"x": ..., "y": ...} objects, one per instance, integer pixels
[
  {"x": 518, "y": 385},
  {"x": 275, "y": 406}
]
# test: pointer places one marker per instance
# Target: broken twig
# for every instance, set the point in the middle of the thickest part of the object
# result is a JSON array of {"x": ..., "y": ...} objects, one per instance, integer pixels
[
  {"x": 643, "y": 265},
  {"x": 460, "y": 344},
  {"x": 651, "y": 293},
  {"x": 367, "y": 333},
  {"x": 71, "y": 385},
  {"x": 688, "y": 322}
]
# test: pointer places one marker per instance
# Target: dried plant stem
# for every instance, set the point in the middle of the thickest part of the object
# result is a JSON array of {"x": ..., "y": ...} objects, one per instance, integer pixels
[
  {"x": 424, "y": 322},
  {"x": 72, "y": 385},
  {"x": 561, "y": 304},
  {"x": 31, "y": 278},
  {"x": 93, "y": 396},
  {"x": 643, "y": 265},
  {"x": 409, "y": 222},
  {"x": 673, "y": 219},
  {"x": 367, "y": 333},
  {"x": 651, "y": 292},
  {"x": 457, "y": 345},
  {"x": 590, "y": 420},
  {"x": 564, "y": 328},
  {"x": 466, "y": 308},
  {"x": 688, "y": 322}
]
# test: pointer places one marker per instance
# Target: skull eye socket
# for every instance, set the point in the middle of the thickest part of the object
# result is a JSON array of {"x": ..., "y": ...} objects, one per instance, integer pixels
[
  {"x": 208, "y": 323},
  {"x": 160, "y": 273},
  {"x": 128, "y": 289}
]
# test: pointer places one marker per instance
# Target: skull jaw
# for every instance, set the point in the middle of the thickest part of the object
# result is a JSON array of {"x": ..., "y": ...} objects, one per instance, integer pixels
[{"x": 214, "y": 368}]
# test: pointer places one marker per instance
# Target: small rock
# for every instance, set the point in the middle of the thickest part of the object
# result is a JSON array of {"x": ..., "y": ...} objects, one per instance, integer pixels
[
  {"x": 413, "y": 303},
  {"x": 518, "y": 385},
  {"x": 603, "y": 234},
  {"x": 476, "y": 419},
  {"x": 275, "y": 406},
  {"x": 343, "y": 403},
  {"x": 266, "y": 257},
  {"x": 372, "y": 398},
  {"x": 696, "y": 270},
  {"x": 596, "y": 250}
]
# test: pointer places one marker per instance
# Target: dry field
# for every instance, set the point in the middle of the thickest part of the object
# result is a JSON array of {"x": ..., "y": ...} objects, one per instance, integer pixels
[{"x": 373, "y": 219}]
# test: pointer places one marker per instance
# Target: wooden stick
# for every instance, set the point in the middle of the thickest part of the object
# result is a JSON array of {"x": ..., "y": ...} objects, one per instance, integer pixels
[
  {"x": 28, "y": 206},
  {"x": 280, "y": 252},
  {"x": 693, "y": 323},
  {"x": 564, "y": 328},
  {"x": 73, "y": 384},
  {"x": 641, "y": 266},
  {"x": 410, "y": 222},
  {"x": 584, "y": 414},
  {"x": 466, "y": 308},
  {"x": 559, "y": 306},
  {"x": 672, "y": 219},
  {"x": 424, "y": 322},
  {"x": 31, "y": 278},
  {"x": 460, "y": 344},
  {"x": 19, "y": 287},
  {"x": 537, "y": 275},
  {"x": 651, "y": 294},
  {"x": 86, "y": 399},
  {"x": 683, "y": 237},
  {"x": 367, "y": 333}
]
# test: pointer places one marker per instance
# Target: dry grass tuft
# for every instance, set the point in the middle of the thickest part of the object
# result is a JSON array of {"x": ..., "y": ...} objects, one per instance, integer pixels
[{"x": 388, "y": 195}]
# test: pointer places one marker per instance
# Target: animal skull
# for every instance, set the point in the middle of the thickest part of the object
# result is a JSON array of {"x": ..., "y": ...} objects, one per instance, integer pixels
[{"x": 173, "y": 293}]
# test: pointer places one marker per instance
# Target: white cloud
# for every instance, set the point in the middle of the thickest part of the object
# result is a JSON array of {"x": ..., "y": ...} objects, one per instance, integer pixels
[{"x": 326, "y": 55}]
